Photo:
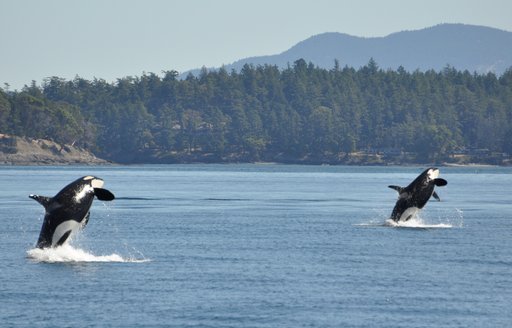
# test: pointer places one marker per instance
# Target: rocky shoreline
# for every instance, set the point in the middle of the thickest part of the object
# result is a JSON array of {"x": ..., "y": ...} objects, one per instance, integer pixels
[{"x": 25, "y": 151}]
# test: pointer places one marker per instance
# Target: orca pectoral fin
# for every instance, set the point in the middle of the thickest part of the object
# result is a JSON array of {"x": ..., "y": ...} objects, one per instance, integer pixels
[
  {"x": 104, "y": 194},
  {"x": 43, "y": 200},
  {"x": 440, "y": 182},
  {"x": 86, "y": 220},
  {"x": 436, "y": 196},
  {"x": 397, "y": 188}
]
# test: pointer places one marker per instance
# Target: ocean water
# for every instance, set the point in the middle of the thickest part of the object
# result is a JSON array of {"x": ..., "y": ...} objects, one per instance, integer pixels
[{"x": 260, "y": 246}]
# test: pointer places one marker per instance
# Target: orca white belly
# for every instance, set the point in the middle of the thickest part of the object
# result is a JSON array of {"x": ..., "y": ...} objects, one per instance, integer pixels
[
  {"x": 63, "y": 228},
  {"x": 409, "y": 213}
]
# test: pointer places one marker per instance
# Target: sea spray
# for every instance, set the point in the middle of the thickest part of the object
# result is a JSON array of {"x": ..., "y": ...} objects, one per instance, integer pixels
[
  {"x": 449, "y": 218},
  {"x": 68, "y": 253}
]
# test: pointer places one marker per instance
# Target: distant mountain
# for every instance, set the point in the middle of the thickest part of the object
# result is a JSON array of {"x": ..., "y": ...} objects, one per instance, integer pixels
[{"x": 465, "y": 47}]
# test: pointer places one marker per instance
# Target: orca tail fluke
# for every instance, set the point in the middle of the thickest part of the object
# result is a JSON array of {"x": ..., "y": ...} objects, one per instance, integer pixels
[
  {"x": 43, "y": 200},
  {"x": 103, "y": 194}
]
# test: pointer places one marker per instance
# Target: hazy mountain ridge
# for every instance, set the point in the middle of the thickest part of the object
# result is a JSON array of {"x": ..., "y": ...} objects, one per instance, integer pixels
[
  {"x": 299, "y": 114},
  {"x": 465, "y": 47}
]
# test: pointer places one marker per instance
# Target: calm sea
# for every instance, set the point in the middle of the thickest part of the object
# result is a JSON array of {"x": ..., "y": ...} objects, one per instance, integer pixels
[{"x": 260, "y": 246}]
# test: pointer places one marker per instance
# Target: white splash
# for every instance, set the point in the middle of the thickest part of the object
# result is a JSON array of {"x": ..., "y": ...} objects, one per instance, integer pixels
[
  {"x": 67, "y": 253},
  {"x": 416, "y": 222},
  {"x": 444, "y": 219}
]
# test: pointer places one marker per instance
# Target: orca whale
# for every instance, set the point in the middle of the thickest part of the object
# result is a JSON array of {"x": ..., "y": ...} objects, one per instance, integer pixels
[
  {"x": 414, "y": 197},
  {"x": 68, "y": 211}
]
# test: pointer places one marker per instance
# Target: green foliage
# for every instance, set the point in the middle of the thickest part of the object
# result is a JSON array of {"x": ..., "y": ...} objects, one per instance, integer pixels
[
  {"x": 35, "y": 116},
  {"x": 262, "y": 113},
  {"x": 5, "y": 111}
]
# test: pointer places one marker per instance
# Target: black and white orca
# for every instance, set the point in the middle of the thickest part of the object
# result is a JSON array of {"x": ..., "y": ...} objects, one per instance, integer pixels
[
  {"x": 68, "y": 211},
  {"x": 414, "y": 197}
]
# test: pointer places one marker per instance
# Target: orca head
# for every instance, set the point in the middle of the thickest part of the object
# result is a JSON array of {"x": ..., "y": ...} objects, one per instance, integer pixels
[
  {"x": 83, "y": 188},
  {"x": 426, "y": 178},
  {"x": 432, "y": 173},
  {"x": 433, "y": 177},
  {"x": 94, "y": 182},
  {"x": 97, "y": 185}
]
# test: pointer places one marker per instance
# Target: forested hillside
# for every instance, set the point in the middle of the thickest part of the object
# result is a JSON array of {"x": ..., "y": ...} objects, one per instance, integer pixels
[{"x": 299, "y": 114}]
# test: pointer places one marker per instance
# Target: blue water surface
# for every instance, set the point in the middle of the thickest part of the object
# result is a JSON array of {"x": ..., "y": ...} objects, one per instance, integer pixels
[{"x": 260, "y": 246}]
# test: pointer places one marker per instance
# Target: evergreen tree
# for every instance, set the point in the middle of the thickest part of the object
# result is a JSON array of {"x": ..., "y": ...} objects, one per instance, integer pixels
[{"x": 263, "y": 113}]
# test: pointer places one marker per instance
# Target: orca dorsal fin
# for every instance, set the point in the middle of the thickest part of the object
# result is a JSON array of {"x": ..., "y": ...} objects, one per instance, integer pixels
[
  {"x": 436, "y": 196},
  {"x": 43, "y": 200},
  {"x": 103, "y": 194},
  {"x": 440, "y": 182},
  {"x": 397, "y": 188}
]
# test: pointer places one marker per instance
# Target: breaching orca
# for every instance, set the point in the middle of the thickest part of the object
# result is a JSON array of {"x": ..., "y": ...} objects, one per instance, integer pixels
[
  {"x": 68, "y": 211},
  {"x": 413, "y": 197}
]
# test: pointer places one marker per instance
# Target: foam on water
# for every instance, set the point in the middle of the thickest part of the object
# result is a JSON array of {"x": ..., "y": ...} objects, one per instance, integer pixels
[
  {"x": 447, "y": 219},
  {"x": 416, "y": 222},
  {"x": 68, "y": 253}
]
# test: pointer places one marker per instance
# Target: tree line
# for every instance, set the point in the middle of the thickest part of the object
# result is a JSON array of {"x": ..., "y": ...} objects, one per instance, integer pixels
[{"x": 261, "y": 113}]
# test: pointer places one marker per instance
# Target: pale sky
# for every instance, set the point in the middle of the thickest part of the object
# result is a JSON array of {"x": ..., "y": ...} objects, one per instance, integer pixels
[{"x": 110, "y": 39}]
